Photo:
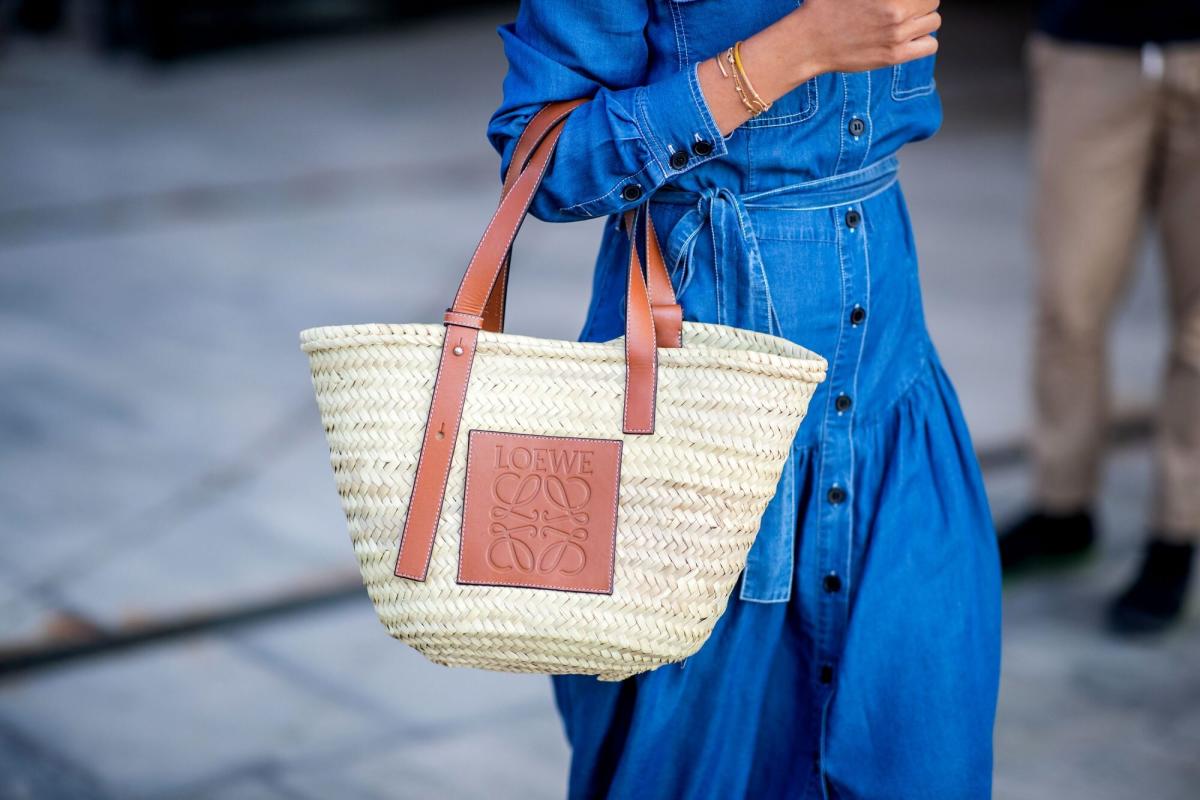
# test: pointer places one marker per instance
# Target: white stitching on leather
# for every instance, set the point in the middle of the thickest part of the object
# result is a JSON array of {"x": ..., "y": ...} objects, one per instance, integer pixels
[
  {"x": 612, "y": 551},
  {"x": 437, "y": 386},
  {"x": 553, "y": 136}
]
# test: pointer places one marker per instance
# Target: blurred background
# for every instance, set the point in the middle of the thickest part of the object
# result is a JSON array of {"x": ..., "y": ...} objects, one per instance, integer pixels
[{"x": 185, "y": 186}]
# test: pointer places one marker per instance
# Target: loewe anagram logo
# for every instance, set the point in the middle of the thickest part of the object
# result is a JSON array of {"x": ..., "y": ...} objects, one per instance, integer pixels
[
  {"x": 553, "y": 541},
  {"x": 540, "y": 511}
]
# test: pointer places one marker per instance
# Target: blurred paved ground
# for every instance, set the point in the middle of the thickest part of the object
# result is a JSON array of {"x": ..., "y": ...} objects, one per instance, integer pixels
[{"x": 163, "y": 238}]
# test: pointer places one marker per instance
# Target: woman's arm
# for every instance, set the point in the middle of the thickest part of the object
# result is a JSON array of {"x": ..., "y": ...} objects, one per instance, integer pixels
[
  {"x": 822, "y": 36},
  {"x": 616, "y": 149},
  {"x": 619, "y": 148}
]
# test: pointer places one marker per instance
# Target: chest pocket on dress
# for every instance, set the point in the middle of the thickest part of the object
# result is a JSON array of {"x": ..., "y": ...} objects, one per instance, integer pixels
[
  {"x": 704, "y": 28},
  {"x": 794, "y": 107},
  {"x": 913, "y": 79}
]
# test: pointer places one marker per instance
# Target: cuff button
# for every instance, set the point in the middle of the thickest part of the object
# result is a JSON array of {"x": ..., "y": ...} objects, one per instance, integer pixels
[
  {"x": 702, "y": 148},
  {"x": 679, "y": 159},
  {"x": 632, "y": 193}
]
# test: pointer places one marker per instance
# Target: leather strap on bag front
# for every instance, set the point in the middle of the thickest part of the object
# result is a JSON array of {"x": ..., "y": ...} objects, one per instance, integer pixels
[{"x": 472, "y": 303}]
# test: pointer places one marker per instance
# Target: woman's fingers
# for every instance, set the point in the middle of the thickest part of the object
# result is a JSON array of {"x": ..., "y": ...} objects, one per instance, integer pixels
[
  {"x": 857, "y": 35},
  {"x": 917, "y": 48},
  {"x": 918, "y": 8},
  {"x": 920, "y": 26}
]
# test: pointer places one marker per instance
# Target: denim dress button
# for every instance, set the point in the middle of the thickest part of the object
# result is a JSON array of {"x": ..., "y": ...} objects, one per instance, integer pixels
[
  {"x": 858, "y": 315},
  {"x": 832, "y": 583},
  {"x": 632, "y": 192},
  {"x": 702, "y": 148},
  {"x": 837, "y": 495},
  {"x": 679, "y": 159},
  {"x": 853, "y": 218},
  {"x": 857, "y": 126},
  {"x": 843, "y": 402}
]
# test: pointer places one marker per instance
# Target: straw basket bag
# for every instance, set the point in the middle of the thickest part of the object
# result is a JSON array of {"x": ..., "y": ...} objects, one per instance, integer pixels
[{"x": 534, "y": 505}]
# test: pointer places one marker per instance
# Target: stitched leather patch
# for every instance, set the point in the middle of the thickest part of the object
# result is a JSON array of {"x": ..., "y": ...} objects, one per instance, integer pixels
[{"x": 540, "y": 511}]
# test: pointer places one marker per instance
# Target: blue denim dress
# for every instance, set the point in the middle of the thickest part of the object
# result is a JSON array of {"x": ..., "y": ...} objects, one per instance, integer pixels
[{"x": 859, "y": 654}]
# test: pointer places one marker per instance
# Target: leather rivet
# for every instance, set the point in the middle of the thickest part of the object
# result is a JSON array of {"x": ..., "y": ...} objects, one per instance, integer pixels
[{"x": 458, "y": 351}]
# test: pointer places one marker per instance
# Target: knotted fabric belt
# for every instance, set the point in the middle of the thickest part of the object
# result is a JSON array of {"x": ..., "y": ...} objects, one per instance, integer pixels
[{"x": 742, "y": 287}]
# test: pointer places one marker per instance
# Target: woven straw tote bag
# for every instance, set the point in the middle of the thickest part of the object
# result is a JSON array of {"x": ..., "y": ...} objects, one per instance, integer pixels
[{"x": 534, "y": 505}]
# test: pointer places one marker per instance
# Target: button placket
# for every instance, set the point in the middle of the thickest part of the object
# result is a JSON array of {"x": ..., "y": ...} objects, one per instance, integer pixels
[
  {"x": 856, "y": 121},
  {"x": 836, "y": 471}
]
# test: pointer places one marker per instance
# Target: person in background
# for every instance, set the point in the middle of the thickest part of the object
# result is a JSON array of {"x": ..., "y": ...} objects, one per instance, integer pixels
[{"x": 1116, "y": 134}]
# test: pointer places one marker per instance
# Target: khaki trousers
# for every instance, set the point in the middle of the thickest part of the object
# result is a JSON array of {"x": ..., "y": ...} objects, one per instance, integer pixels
[{"x": 1116, "y": 135}]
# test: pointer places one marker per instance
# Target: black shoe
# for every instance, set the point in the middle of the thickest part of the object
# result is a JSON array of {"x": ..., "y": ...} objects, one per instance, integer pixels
[
  {"x": 1154, "y": 601},
  {"x": 1043, "y": 539}
]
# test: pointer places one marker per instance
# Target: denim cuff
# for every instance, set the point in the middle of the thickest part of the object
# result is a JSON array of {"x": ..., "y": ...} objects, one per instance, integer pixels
[
  {"x": 674, "y": 119},
  {"x": 671, "y": 130}
]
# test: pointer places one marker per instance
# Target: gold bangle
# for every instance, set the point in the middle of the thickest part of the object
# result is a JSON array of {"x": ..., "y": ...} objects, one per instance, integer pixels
[
  {"x": 721, "y": 67},
  {"x": 750, "y": 105},
  {"x": 737, "y": 61},
  {"x": 745, "y": 79}
]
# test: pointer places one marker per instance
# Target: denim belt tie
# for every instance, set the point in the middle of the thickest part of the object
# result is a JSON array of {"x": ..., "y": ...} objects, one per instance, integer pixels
[{"x": 742, "y": 287}]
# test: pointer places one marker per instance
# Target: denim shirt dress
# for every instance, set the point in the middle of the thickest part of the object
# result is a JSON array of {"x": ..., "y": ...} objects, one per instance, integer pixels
[{"x": 859, "y": 653}]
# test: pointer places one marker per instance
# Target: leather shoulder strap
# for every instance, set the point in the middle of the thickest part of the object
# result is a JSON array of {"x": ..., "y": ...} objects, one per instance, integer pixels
[
  {"x": 463, "y": 321},
  {"x": 535, "y": 131},
  {"x": 668, "y": 316}
]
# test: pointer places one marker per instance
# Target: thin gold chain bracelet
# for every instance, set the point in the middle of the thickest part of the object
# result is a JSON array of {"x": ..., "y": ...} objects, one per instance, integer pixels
[
  {"x": 737, "y": 84},
  {"x": 750, "y": 99}
]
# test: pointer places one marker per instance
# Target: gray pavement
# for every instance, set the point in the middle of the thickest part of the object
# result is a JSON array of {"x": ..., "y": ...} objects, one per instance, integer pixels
[{"x": 163, "y": 238}]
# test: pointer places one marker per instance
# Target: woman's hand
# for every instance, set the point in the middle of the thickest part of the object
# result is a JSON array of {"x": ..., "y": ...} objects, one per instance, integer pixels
[
  {"x": 858, "y": 35},
  {"x": 822, "y": 36}
]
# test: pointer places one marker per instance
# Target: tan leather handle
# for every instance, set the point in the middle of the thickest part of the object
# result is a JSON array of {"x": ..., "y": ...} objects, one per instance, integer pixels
[
  {"x": 535, "y": 131},
  {"x": 465, "y": 318},
  {"x": 668, "y": 315},
  {"x": 641, "y": 351},
  {"x": 480, "y": 281},
  {"x": 496, "y": 244}
]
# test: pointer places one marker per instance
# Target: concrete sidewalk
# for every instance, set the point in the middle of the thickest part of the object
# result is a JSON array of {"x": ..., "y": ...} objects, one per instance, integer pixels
[
  {"x": 163, "y": 238},
  {"x": 326, "y": 705}
]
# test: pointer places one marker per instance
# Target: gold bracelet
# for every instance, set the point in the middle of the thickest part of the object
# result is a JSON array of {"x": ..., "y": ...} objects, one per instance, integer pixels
[
  {"x": 737, "y": 61},
  {"x": 750, "y": 105}
]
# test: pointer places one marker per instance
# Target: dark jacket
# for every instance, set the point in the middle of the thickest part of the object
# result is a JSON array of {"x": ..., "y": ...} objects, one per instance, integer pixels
[{"x": 1125, "y": 23}]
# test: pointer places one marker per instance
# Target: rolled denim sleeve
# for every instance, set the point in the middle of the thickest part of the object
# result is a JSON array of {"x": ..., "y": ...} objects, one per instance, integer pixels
[{"x": 619, "y": 148}]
